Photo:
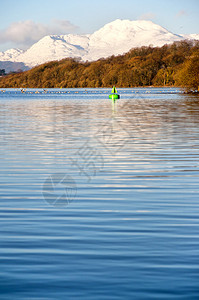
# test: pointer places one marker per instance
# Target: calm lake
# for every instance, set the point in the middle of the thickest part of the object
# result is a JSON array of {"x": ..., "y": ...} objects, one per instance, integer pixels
[{"x": 99, "y": 200}]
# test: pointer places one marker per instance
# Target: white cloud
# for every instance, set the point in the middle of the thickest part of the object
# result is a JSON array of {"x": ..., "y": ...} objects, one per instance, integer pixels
[
  {"x": 25, "y": 33},
  {"x": 64, "y": 26},
  {"x": 147, "y": 16},
  {"x": 181, "y": 13}
]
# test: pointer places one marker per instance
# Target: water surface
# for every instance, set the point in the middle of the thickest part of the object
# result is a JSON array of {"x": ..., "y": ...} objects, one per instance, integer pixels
[{"x": 99, "y": 200}]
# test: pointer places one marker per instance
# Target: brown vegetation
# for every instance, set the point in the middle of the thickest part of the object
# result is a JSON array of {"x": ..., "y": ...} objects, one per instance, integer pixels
[{"x": 175, "y": 64}]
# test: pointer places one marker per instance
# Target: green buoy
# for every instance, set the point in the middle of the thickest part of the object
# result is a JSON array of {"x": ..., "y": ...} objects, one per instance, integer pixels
[{"x": 114, "y": 94}]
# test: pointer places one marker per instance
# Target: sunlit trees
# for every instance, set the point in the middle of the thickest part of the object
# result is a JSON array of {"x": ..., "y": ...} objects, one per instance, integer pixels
[
  {"x": 175, "y": 64},
  {"x": 188, "y": 75}
]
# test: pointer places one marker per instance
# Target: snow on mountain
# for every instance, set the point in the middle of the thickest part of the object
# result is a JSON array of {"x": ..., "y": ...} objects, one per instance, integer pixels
[
  {"x": 193, "y": 36},
  {"x": 10, "y": 54},
  {"x": 114, "y": 38},
  {"x": 54, "y": 47},
  {"x": 120, "y": 36}
]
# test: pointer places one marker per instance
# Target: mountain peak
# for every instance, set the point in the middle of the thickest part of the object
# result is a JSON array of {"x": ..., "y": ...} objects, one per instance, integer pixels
[{"x": 142, "y": 24}]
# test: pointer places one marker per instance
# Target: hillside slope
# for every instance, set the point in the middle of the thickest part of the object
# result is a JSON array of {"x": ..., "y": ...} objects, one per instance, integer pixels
[{"x": 169, "y": 65}]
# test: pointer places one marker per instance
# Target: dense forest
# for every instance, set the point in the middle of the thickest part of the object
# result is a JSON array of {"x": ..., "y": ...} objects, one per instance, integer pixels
[{"x": 170, "y": 65}]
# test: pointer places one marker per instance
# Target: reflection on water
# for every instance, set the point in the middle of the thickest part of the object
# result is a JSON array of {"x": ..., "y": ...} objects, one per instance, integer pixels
[{"x": 131, "y": 169}]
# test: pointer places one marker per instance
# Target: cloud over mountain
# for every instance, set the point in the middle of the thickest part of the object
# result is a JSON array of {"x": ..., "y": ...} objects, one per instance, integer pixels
[
  {"x": 147, "y": 16},
  {"x": 25, "y": 33}
]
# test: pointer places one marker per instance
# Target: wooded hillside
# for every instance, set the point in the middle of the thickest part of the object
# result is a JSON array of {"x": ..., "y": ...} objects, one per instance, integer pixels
[{"x": 176, "y": 64}]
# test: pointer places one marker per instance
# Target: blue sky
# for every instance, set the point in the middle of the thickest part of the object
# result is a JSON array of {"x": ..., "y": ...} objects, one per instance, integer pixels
[{"x": 24, "y": 22}]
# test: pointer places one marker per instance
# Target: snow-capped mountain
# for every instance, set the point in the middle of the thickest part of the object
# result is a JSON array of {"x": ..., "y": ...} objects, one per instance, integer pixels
[
  {"x": 120, "y": 36},
  {"x": 10, "y": 54},
  {"x": 54, "y": 47},
  {"x": 193, "y": 36},
  {"x": 114, "y": 38}
]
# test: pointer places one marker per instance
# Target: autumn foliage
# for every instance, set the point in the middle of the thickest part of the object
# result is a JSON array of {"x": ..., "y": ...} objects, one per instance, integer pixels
[{"x": 169, "y": 65}]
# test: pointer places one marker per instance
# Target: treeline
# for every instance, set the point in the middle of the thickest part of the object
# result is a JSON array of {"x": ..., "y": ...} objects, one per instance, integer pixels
[{"x": 169, "y": 65}]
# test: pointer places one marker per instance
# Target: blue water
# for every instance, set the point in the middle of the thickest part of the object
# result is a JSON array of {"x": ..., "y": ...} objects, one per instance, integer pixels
[{"x": 99, "y": 200}]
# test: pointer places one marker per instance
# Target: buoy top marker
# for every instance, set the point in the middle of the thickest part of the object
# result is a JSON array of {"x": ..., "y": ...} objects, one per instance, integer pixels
[{"x": 114, "y": 94}]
